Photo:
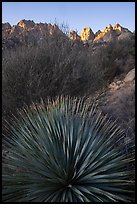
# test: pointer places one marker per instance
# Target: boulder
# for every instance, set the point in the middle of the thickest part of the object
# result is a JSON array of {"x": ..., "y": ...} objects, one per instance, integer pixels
[{"x": 130, "y": 75}]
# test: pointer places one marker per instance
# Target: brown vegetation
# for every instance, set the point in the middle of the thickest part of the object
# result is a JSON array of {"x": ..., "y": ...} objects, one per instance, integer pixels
[{"x": 57, "y": 66}]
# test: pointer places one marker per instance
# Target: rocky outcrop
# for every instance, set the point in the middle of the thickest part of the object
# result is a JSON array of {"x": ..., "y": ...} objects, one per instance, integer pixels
[
  {"x": 26, "y": 24},
  {"x": 27, "y": 31},
  {"x": 121, "y": 106},
  {"x": 108, "y": 28},
  {"x": 117, "y": 27},
  {"x": 74, "y": 36},
  {"x": 87, "y": 34},
  {"x": 107, "y": 33},
  {"x": 16, "y": 29},
  {"x": 130, "y": 76},
  {"x": 52, "y": 29},
  {"x": 117, "y": 84},
  {"x": 97, "y": 33},
  {"x": 118, "y": 102},
  {"x": 112, "y": 33},
  {"x": 6, "y": 26},
  {"x": 6, "y": 29}
]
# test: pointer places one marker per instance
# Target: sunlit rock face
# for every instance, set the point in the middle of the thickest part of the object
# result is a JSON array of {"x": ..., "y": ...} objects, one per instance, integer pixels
[
  {"x": 97, "y": 33},
  {"x": 109, "y": 28},
  {"x": 26, "y": 31},
  {"x": 117, "y": 27},
  {"x": 87, "y": 34},
  {"x": 26, "y": 24},
  {"x": 111, "y": 33}
]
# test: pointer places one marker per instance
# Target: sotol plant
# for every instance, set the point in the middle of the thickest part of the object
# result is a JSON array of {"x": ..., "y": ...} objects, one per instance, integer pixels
[{"x": 66, "y": 152}]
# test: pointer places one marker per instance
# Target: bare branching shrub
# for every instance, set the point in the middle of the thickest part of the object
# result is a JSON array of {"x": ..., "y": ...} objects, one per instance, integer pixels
[
  {"x": 121, "y": 106},
  {"x": 54, "y": 66}
]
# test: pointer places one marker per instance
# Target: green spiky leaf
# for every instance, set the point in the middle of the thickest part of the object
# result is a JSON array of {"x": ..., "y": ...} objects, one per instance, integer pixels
[{"x": 66, "y": 151}]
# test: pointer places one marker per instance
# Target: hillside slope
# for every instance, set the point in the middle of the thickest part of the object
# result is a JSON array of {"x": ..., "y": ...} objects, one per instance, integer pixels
[{"x": 40, "y": 61}]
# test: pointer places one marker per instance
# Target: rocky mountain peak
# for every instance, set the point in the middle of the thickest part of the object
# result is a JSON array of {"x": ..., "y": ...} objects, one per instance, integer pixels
[
  {"x": 6, "y": 26},
  {"x": 74, "y": 36},
  {"x": 117, "y": 27},
  {"x": 111, "y": 33},
  {"x": 108, "y": 28},
  {"x": 26, "y": 24},
  {"x": 97, "y": 33},
  {"x": 87, "y": 34},
  {"x": 28, "y": 29}
]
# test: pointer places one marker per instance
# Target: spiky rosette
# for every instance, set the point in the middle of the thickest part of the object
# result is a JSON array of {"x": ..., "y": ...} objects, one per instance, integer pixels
[{"x": 66, "y": 152}]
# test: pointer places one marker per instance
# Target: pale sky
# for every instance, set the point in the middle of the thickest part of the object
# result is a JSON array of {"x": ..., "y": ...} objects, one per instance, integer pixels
[{"x": 77, "y": 15}]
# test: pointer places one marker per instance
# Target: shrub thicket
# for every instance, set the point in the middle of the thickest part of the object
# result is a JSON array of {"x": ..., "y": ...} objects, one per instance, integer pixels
[{"x": 56, "y": 66}]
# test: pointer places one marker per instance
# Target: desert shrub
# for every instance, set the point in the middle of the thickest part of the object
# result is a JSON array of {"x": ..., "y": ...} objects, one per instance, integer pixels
[
  {"x": 66, "y": 152},
  {"x": 55, "y": 66},
  {"x": 122, "y": 108},
  {"x": 123, "y": 52},
  {"x": 52, "y": 68}
]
